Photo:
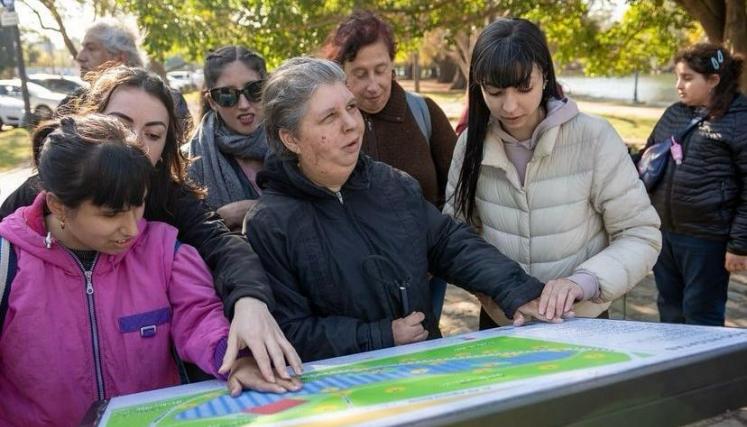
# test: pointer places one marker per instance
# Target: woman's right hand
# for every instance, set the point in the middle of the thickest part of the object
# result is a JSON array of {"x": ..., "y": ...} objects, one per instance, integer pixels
[
  {"x": 233, "y": 213},
  {"x": 254, "y": 327},
  {"x": 409, "y": 329}
]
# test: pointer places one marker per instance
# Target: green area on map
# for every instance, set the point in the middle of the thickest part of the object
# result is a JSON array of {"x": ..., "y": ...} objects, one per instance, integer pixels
[{"x": 471, "y": 364}]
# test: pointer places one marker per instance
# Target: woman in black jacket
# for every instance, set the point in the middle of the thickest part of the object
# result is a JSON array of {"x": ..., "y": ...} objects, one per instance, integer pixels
[
  {"x": 141, "y": 100},
  {"x": 701, "y": 198},
  {"x": 348, "y": 242}
]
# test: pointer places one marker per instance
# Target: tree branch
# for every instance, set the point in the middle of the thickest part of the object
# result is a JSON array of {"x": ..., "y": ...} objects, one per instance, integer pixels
[
  {"x": 49, "y": 4},
  {"x": 39, "y": 17}
]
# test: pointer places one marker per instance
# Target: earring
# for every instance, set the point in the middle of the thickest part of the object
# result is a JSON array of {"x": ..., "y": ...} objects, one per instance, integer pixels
[
  {"x": 48, "y": 240},
  {"x": 544, "y": 85},
  {"x": 62, "y": 224}
]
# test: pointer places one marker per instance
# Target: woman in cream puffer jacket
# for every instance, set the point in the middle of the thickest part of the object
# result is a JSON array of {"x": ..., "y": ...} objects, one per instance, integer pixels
[{"x": 555, "y": 189}]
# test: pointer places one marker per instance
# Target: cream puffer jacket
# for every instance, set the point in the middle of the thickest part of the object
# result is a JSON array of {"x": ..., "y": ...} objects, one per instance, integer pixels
[{"x": 581, "y": 208}]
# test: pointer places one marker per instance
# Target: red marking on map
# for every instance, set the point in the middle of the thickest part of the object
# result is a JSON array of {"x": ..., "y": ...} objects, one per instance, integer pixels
[{"x": 275, "y": 407}]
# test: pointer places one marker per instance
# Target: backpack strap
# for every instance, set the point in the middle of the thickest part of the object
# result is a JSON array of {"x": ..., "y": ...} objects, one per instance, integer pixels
[
  {"x": 419, "y": 110},
  {"x": 7, "y": 274}
]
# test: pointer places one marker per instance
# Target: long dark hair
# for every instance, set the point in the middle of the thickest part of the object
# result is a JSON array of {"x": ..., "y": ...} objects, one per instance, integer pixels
[
  {"x": 711, "y": 59},
  {"x": 169, "y": 177},
  {"x": 504, "y": 56},
  {"x": 96, "y": 158},
  {"x": 217, "y": 60}
]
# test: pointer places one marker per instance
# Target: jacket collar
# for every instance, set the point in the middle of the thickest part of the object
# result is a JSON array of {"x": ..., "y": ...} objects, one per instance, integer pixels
[
  {"x": 284, "y": 176},
  {"x": 395, "y": 109}
]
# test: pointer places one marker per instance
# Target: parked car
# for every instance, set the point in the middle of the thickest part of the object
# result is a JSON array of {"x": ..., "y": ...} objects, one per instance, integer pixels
[
  {"x": 11, "y": 111},
  {"x": 43, "y": 101},
  {"x": 198, "y": 79},
  {"x": 180, "y": 80},
  {"x": 57, "y": 82}
]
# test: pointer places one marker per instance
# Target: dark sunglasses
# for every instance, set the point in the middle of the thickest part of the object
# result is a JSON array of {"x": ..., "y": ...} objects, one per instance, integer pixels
[{"x": 228, "y": 96}]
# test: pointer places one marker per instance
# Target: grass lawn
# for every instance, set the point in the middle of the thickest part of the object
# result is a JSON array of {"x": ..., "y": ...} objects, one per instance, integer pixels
[
  {"x": 15, "y": 148},
  {"x": 633, "y": 130}
]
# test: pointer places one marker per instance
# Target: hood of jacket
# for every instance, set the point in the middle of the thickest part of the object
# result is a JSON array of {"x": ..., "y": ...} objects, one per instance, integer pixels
[{"x": 559, "y": 111}]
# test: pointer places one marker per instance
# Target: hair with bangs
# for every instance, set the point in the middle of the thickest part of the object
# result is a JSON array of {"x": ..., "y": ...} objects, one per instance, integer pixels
[
  {"x": 95, "y": 158},
  {"x": 504, "y": 56}
]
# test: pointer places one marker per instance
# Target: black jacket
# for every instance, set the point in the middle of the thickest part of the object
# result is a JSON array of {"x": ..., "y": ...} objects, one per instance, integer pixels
[
  {"x": 336, "y": 260},
  {"x": 236, "y": 269},
  {"x": 705, "y": 195}
]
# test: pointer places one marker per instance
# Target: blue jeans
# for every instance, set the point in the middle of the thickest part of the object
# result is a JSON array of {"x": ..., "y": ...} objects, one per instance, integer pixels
[{"x": 691, "y": 280}]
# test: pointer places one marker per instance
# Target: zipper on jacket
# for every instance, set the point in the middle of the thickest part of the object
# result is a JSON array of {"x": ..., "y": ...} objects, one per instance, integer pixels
[
  {"x": 372, "y": 249},
  {"x": 93, "y": 325}
]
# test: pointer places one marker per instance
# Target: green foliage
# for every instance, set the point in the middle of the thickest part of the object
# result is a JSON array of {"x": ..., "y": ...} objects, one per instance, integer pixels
[
  {"x": 282, "y": 29},
  {"x": 647, "y": 38}
]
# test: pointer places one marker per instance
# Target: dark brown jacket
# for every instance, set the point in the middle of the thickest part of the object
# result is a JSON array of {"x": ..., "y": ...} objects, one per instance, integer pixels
[{"x": 393, "y": 137}]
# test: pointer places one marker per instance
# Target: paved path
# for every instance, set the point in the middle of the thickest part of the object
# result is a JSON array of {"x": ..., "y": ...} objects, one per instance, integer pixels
[{"x": 10, "y": 180}]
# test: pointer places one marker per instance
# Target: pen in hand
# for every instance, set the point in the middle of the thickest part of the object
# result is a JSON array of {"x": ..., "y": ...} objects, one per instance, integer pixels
[{"x": 405, "y": 298}]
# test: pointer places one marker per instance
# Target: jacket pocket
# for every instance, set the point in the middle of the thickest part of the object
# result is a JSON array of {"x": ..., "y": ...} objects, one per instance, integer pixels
[{"x": 146, "y": 323}]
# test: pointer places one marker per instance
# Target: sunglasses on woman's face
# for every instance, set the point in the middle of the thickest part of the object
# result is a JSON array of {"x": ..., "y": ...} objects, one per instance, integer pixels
[{"x": 228, "y": 96}]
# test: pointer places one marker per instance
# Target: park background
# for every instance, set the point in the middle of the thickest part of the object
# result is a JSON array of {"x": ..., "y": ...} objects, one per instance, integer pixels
[{"x": 614, "y": 57}]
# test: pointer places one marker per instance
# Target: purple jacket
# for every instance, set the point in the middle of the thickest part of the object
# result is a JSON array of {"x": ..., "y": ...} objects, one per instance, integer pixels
[{"x": 62, "y": 348}]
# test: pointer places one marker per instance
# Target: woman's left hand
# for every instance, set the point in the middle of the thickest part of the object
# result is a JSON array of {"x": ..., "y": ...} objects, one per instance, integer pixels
[
  {"x": 245, "y": 374},
  {"x": 735, "y": 263},
  {"x": 558, "y": 297}
]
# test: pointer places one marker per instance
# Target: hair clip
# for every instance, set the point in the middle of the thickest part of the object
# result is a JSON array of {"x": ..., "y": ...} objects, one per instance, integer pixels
[{"x": 717, "y": 60}]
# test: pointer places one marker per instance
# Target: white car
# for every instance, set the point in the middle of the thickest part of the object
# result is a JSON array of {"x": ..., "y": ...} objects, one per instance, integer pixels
[
  {"x": 180, "y": 80},
  {"x": 57, "y": 82},
  {"x": 11, "y": 111},
  {"x": 43, "y": 101}
]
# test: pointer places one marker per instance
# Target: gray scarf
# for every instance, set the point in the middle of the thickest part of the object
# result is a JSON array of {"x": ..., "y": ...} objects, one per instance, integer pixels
[{"x": 215, "y": 146}]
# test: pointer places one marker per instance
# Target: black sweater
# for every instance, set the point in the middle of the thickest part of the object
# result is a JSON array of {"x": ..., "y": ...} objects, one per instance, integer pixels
[
  {"x": 705, "y": 195},
  {"x": 336, "y": 260}
]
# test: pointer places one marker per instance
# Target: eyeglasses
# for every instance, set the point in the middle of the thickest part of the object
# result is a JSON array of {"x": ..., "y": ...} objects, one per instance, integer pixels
[{"x": 228, "y": 96}]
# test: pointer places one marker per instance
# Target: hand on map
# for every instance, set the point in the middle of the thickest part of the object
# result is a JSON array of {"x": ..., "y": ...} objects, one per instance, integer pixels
[
  {"x": 409, "y": 329},
  {"x": 734, "y": 263},
  {"x": 245, "y": 374},
  {"x": 558, "y": 297},
  {"x": 253, "y": 326}
]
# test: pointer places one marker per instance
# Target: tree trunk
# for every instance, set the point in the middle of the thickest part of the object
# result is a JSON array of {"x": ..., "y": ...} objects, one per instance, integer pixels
[
  {"x": 416, "y": 70},
  {"x": 710, "y": 14},
  {"x": 735, "y": 33},
  {"x": 459, "y": 82},
  {"x": 446, "y": 69}
]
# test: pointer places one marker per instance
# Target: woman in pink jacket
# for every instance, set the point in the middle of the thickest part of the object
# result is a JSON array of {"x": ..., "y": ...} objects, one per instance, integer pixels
[{"x": 99, "y": 295}]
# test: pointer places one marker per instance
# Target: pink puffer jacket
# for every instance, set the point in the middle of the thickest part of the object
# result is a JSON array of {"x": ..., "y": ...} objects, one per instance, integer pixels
[{"x": 68, "y": 340}]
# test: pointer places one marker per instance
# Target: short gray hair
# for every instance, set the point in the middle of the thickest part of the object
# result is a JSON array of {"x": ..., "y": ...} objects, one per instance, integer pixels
[
  {"x": 117, "y": 38},
  {"x": 287, "y": 92}
]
